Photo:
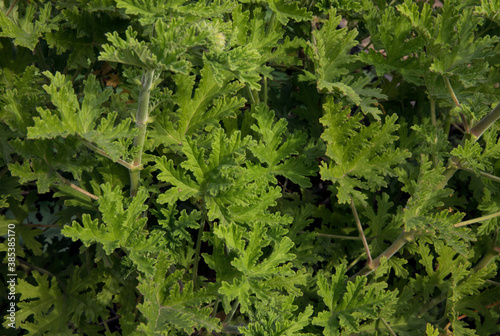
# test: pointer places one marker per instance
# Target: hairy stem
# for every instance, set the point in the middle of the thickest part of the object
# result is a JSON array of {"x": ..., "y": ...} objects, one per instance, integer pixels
[
  {"x": 141, "y": 121},
  {"x": 486, "y": 259},
  {"x": 479, "y": 219},
  {"x": 486, "y": 122},
  {"x": 11, "y": 7},
  {"x": 254, "y": 96}
]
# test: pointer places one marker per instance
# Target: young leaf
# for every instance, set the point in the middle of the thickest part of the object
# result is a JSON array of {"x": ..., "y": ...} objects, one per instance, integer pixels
[
  {"x": 121, "y": 228},
  {"x": 280, "y": 157},
  {"x": 23, "y": 30},
  {"x": 349, "y": 303},
  {"x": 361, "y": 156}
]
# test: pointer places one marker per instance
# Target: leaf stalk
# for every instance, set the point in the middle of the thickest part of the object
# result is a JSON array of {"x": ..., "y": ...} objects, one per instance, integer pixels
[
  {"x": 479, "y": 219},
  {"x": 361, "y": 233}
]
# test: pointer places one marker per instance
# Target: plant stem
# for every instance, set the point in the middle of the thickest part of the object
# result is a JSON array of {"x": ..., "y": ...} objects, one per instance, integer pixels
[
  {"x": 75, "y": 187},
  {"x": 490, "y": 176},
  {"x": 448, "y": 173},
  {"x": 406, "y": 236},
  {"x": 254, "y": 97},
  {"x": 455, "y": 102},
  {"x": 403, "y": 238},
  {"x": 216, "y": 306},
  {"x": 327, "y": 235},
  {"x": 103, "y": 153},
  {"x": 198, "y": 247},
  {"x": 479, "y": 219},
  {"x": 141, "y": 121},
  {"x": 361, "y": 233},
  {"x": 11, "y": 7},
  {"x": 478, "y": 129},
  {"x": 451, "y": 92},
  {"x": 433, "y": 112},
  {"x": 434, "y": 122},
  {"x": 228, "y": 319},
  {"x": 486, "y": 259},
  {"x": 388, "y": 327}
]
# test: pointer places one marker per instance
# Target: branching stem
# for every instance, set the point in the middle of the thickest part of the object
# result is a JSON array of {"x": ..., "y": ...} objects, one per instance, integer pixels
[
  {"x": 456, "y": 103},
  {"x": 403, "y": 238},
  {"x": 361, "y": 233}
]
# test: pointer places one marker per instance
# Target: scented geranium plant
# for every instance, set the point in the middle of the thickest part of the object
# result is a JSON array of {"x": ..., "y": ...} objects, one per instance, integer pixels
[{"x": 264, "y": 167}]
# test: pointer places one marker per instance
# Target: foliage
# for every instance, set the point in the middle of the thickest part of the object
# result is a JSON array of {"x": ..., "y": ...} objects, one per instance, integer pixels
[{"x": 264, "y": 167}]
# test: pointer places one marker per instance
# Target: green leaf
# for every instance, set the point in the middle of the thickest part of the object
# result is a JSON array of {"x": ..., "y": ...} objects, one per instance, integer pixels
[
  {"x": 281, "y": 157},
  {"x": 120, "y": 227},
  {"x": 129, "y": 51},
  {"x": 330, "y": 51},
  {"x": 349, "y": 303},
  {"x": 53, "y": 310},
  {"x": 166, "y": 304},
  {"x": 23, "y": 30},
  {"x": 361, "y": 156},
  {"x": 288, "y": 10}
]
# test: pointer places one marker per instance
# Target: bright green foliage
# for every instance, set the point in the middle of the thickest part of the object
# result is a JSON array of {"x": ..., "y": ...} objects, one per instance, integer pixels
[
  {"x": 420, "y": 212},
  {"x": 489, "y": 9},
  {"x": 164, "y": 51},
  {"x": 73, "y": 118},
  {"x": 471, "y": 154},
  {"x": 210, "y": 103},
  {"x": 279, "y": 158},
  {"x": 23, "y": 30},
  {"x": 286, "y": 10},
  {"x": 274, "y": 320},
  {"x": 120, "y": 228},
  {"x": 361, "y": 156},
  {"x": 348, "y": 303},
  {"x": 258, "y": 280},
  {"x": 330, "y": 52},
  {"x": 250, "y": 167}
]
